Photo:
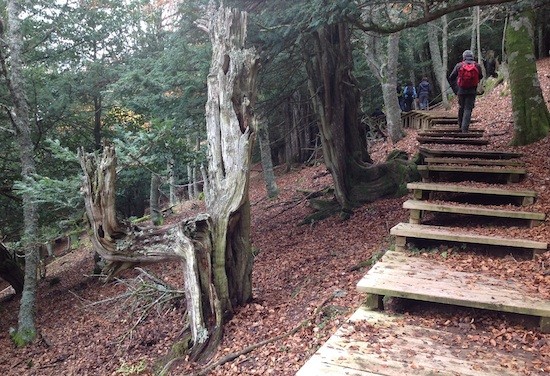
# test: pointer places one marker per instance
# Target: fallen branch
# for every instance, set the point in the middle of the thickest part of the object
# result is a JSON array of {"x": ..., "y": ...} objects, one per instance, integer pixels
[{"x": 246, "y": 350}]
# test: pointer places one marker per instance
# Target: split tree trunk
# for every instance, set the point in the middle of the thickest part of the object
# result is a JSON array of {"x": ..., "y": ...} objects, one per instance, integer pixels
[{"x": 216, "y": 247}]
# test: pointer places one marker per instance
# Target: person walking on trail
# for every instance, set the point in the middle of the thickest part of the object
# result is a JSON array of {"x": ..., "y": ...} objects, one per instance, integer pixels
[
  {"x": 409, "y": 95},
  {"x": 400, "y": 98},
  {"x": 464, "y": 80},
  {"x": 423, "y": 93}
]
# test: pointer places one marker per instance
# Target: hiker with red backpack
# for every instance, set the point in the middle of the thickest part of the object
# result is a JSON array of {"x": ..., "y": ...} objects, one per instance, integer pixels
[{"x": 464, "y": 80}]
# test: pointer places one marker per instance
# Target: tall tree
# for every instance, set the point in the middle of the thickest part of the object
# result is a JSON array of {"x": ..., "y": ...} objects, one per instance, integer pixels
[
  {"x": 531, "y": 116},
  {"x": 439, "y": 56},
  {"x": 382, "y": 61},
  {"x": 20, "y": 118}
]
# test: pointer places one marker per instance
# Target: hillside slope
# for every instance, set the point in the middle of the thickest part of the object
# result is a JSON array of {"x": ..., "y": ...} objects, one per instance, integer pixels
[{"x": 302, "y": 275}]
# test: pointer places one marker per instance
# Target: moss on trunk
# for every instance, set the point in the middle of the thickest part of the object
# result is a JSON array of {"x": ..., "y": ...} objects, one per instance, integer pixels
[{"x": 531, "y": 116}]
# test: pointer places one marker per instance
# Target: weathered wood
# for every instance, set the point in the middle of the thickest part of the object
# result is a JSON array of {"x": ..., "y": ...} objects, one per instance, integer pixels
[
  {"x": 444, "y": 130},
  {"x": 514, "y": 173},
  {"x": 373, "y": 301},
  {"x": 473, "y": 161},
  {"x": 527, "y": 196},
  {"x": 490, "y": 154},
  {"x": 451, "y": 140},
  {"x": 416, "y": 205},
  {"x": 450, "y": 134},
  {"x": 399, "y": 275},
  {"x": 409, "y": 230},
  {"x": 376, "y": 343}
]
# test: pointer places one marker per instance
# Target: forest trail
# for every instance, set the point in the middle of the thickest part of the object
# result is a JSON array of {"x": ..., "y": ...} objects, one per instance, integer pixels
[
  {"x": 301, "y": 274},
  {"x": 394, "y": 345}
]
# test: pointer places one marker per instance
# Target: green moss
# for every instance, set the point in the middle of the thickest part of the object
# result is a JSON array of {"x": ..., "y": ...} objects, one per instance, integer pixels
[
  {"x": 22, "y": 338},
  {"x": 531, "y": 116}
]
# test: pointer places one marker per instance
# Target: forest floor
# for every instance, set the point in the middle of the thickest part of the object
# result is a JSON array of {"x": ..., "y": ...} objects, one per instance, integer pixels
[{"x": 304, "y": 278}]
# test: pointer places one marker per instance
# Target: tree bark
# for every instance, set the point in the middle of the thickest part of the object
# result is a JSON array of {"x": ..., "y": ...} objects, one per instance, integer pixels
[
  {"x": 531, "y": 116},
  {"x": 19, "y": 116},
  {"x": 230, "y": 130},
  {"x": 439, "y": 57},
  {"x": 335, "y": 96},
  {"x": 154, "y": 198},
  {"x": 267, "y": 162},
  {"x": 382, "y": 61},
  {"x": 173, "y": 197},
  {"x": 119, "y": 243}
]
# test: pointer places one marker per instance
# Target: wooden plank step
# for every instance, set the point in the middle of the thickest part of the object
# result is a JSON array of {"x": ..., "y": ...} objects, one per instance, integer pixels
[
  {"x": 418, "y": 207},
  {"x": 402, "y": 231},
  {"x": 448, "y": 140},
  {"x": 474, "y": 161},
  {"x": 393, "y": 347},
  {"x": 526, "y": 197},
  {"x": 399, "y": 275},
  {"x": 514, "y": 173},
  {"x": 439, "y": 130},
  {"x": 431, "y": 134},
  {"x": 489, "y": 154}
]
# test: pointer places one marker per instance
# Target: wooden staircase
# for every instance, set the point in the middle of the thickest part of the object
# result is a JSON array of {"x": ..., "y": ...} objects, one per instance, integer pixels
[
  {"x": 446, "y": 191},
  {"x": 436, "y": 199}
]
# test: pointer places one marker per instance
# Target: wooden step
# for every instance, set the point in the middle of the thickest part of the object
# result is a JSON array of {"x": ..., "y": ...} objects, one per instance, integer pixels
[
  {"x": 514, "y": 174},
  {"x": 526, "y": 197},
  {"x": 417, "y": 208},
  {"x": 444, "y": 129},
  {"x": 458, "y": 153},
  {"x": 442, "y": 132},
  {"x": 394, "y": 347},
  {"x": 399, "y": 275},
  {"x": 473, "y": 161},
  {"x": 402, "y": 231},
  {"x": 451, "y": 134},
  {"x": 448, "y": 140}
]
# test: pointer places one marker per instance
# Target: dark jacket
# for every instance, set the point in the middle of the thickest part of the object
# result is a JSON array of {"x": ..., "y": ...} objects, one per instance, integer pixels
[
  {"x": 453, "y": 77},
  {"x": 423, "y": 88}
]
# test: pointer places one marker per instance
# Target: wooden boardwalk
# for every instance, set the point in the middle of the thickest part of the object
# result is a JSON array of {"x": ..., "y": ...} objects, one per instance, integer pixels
[{"x": 374, "y": 342}]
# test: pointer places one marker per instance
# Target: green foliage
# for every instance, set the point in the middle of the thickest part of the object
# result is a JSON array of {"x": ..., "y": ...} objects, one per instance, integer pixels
[{"x": 128, "y": 369}]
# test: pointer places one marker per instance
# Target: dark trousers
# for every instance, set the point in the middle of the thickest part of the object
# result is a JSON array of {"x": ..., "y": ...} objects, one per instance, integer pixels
[
  {"x": 466, "y": 103},
  {"x": 423, "y": 101}
]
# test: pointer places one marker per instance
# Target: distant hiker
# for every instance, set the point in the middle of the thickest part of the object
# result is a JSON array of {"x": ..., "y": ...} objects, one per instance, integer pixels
[
  {"x": 409, "y": 95},
  {"x": 400, "y": 98},
  {"x": 424, "y": 91},
  {"x": 464, "y": 79},
  {"x": 491, "y": 64}
]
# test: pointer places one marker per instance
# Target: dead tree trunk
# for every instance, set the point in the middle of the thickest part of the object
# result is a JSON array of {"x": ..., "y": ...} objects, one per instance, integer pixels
[
  {"x": 229, "y": 124},
  {"x": 119, "y": 243},
  {"x": 215, "y": 247}
]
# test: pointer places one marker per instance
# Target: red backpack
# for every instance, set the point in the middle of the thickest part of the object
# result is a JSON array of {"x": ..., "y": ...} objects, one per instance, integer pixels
[{"x": 468, "y": 76}]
